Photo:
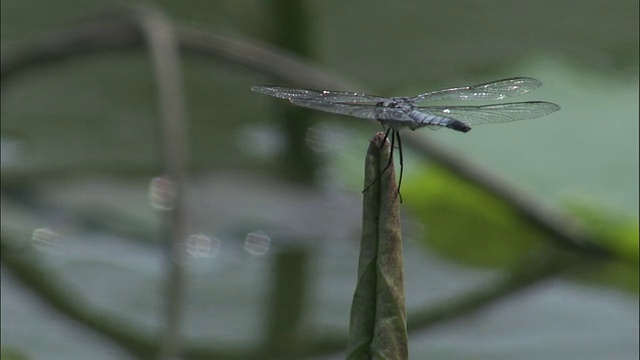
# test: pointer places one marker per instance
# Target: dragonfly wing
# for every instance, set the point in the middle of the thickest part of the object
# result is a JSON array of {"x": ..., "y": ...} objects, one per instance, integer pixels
[
  {"x": 356, "y": 110},
  {"x": 496, "y": 90},
  {"x": 499, "y": 113},
  {"x": 325, "y": 96}
]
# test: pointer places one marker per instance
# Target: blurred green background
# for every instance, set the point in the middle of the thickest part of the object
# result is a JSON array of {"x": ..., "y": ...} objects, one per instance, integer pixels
[{"x": 80, "y": 143}]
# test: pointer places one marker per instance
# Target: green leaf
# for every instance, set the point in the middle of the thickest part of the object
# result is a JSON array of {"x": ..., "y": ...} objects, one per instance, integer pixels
[
  {"x": 612, "y": 231},
  {"x": 617, "y": 233},
  {"x": 466, "y": 224}
]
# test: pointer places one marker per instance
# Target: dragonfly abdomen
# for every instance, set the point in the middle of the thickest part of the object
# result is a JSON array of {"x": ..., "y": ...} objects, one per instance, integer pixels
[{"x": 424, "y": 119}]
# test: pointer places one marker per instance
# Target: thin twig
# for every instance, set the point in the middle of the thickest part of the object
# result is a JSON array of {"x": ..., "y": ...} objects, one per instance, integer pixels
[{"x": 164, "y": 51}]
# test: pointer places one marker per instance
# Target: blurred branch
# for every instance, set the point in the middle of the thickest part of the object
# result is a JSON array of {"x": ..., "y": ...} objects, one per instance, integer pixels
[
  {"x": 165, "y": 55},
  {"x": 116, "y": 30},
  {"x": 538, "y": 267}
]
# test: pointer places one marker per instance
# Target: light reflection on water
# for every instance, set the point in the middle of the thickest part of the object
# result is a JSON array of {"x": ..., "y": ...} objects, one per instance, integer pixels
[
  {"x": 257, "y": 243},
  {"x": 162, "y": 193},
  {"x": 203, "y": 246},
  {"x": 46, "y": 240}
]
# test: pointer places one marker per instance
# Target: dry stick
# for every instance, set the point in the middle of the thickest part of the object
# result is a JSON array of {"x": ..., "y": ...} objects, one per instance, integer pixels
[
  {"x": 363, "y": 306},
  {"x": 116, "y": 30},
  {"x": 388, "y": 165},
  {"x": 390, "y": 337},
  {"x": 395, "y": 134},
  {"x": 378, "y": 316}
]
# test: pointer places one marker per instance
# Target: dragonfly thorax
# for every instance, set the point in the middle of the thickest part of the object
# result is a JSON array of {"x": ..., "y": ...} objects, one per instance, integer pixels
[{"x": 397, "y": 103}]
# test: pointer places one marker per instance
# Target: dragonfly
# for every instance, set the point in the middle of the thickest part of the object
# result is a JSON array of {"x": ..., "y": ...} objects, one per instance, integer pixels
[{"x": 398, "y": 113}]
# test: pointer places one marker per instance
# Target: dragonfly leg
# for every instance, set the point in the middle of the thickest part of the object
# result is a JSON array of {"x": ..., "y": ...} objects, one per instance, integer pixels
[
  {"x": 397, "y": 133},
  {"x": 393, "y": 140},
  {"x": 386, "y": 136}
]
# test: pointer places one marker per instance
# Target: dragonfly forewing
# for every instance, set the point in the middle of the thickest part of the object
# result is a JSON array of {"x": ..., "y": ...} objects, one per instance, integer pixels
[
  {"x": 323, "y": 96},
  {"x": 496, "y": 90}
]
